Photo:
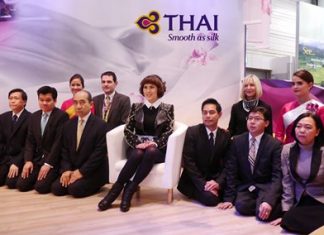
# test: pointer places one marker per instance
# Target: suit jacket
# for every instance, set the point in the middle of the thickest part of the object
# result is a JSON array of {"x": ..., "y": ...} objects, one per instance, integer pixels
[
  {"x": 13, "y": 138},
  {"x": 293, "y": 186},
  {"x": 119, "y": 109},
  {"x": 163, "y": 125},
  {"x": 91, "y": 156},
  {"x": 237, "y": 123},
  {"x": 200, "y": 162},
  {"x": 266, "y": 175},
  {"x": 45, "y": 149}
]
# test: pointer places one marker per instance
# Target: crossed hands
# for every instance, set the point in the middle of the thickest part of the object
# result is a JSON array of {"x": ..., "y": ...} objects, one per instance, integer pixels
[
  {"x": 212, "y": 186},
  {"x": 69, "y": 177},
  {"x": 146, "y": 144}
]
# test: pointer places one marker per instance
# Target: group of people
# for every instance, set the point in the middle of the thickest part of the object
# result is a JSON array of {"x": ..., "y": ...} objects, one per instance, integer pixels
[{"x": 64, "y": 151}]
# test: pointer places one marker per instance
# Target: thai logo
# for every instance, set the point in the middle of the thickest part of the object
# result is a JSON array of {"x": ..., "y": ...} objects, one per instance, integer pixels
[{"x": 149, "y": 22}]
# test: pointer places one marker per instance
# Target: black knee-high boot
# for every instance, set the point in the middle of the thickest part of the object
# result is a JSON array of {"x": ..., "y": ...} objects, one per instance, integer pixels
[
  {"x": 114, "y": 192},
  {"x": 129, "y": 190}
]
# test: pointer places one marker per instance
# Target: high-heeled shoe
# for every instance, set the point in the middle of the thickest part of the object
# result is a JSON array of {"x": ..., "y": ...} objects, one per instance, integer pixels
[
  {"x": 128, "y": 193},
  {"x": 114, "y": 192}
]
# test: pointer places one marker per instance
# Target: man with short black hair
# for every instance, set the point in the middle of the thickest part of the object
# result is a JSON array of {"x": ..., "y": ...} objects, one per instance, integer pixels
[
  {"x": 13, "y": 132},
  {"x": 205, "y": 145},
  {"x": 43, "y": 144},
  {"x": 253, "y": 170}
]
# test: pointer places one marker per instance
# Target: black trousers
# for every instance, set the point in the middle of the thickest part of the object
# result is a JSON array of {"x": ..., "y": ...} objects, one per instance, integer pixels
[
  {"x": 4, "y": 180},
  {"x": 305, "y": 217},
  {"x": 139, "y": 164},
  {"x": 42, "y": 186},
  {"x": 206, "y": 198},
  {"x": 83, "y": 187},
  {"x": 248, "y": 203}
]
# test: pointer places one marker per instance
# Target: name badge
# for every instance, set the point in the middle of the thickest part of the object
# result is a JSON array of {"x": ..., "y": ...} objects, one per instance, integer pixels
[{"x": 252, "y": 188}]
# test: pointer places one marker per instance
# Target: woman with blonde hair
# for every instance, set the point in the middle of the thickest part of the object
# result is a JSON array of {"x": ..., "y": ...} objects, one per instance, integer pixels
[{"x": 250, "y": 94}]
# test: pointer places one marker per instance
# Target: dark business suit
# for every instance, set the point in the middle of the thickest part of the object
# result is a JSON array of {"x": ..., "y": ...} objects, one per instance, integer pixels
[
  {"x": 302, "y": 199},
  {"x": 201, "y": 163},
  {"x": 12, "y": 143},
  {"x": 90, "y": 157},
  {"x": 248, "y": 189},
  {"x": 118, "y": 112},
  {"x": 237, "y": 123},
  {"x": 43, "y": 149}
]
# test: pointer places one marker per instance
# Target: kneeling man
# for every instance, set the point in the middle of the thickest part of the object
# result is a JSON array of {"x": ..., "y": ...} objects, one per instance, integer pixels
[
  {"x": 253, "y": 170},
  {"x": 204, "y": 151},
  {"x": 84, "y": 164}
]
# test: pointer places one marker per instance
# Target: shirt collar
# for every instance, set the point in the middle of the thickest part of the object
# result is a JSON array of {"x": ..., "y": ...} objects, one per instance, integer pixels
[
  {"x": 257, "y": 138},
  {"x": 111, "y": 96},
  {"x": 18, "y": 114},
  {"x": 48, "y": 113},
  {"x": 85, "y": 118},
  {"x": 156, "y": 104},
  {"x": 209, "y": 131}
]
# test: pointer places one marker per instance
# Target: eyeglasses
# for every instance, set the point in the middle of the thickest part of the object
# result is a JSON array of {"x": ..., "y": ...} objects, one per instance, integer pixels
[{"x": 254, "y": 118}]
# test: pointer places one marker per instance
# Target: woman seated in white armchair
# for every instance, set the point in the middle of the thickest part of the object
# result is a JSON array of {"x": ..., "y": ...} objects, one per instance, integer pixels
[{"x": 146, "y": 132}]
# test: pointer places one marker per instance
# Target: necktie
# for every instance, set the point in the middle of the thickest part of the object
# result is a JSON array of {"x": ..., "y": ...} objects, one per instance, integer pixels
[
  {"x": 14, "y": 118},
  {"x": 79, "y": 132},
  {"x": 252, "y": 153},
  {"x": 13, "y": 121},
  {"x": 106, "y": 109},
  {"x": 211, "y": 139},
  {"x": 44, "y": 122}
]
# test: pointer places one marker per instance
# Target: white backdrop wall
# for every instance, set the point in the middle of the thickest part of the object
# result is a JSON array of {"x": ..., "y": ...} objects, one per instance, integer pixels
[{"x": 48, "y": 41}]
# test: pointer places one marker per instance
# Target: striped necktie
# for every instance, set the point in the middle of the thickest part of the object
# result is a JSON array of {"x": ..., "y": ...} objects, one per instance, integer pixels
[
  {"x": 252, "y": 153},
  {"x": 106, "y": 108}
]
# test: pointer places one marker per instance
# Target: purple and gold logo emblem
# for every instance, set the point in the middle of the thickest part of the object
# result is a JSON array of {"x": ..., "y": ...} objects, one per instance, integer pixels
[{"x": 149, "y": 22}]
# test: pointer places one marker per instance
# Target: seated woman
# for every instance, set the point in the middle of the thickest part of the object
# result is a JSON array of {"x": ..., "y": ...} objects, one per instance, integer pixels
[
  {"x": 76, "y": 84},
  {"x": 302, "y": 83},
  {"x": 146, "y": 133},
  {"x": 250, "y": 93},
  {"x": 303, "y": 176}
]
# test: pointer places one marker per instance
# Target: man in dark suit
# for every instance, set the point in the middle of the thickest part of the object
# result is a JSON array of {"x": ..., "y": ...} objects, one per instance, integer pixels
[
  {"x": 203, "y": 176},
  {"x": 253, "y": 170},
  {"x": 84, "y": 164},
  {"x": 13, "y": 132},
  {"x": 43, "y": 143},
  {"x": 111, "y": 106}
]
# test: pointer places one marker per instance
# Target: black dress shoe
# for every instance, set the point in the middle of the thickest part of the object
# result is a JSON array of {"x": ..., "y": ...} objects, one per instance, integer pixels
[
  {"x": 114, "y": 192},
  {"x": 128, "y": 193}
]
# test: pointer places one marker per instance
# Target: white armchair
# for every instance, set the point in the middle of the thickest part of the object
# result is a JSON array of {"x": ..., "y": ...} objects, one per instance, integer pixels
[{"x": 163, "y": 175}]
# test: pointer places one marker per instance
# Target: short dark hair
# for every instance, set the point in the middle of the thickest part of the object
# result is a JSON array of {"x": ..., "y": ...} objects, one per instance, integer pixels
[
  {"x": 21, "y": 91},
  {"x": 319, "y": 140},
  {"x": 110, "y": 73},
  {"x": 77, "y": 76},
  {"x": 155, "y": 80},
  {"x": 304, "y": 75},
  {"x": 47, "y": 90},
  {"x": 212, "y": 101},
  {"x": 264, "y": 111}
]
